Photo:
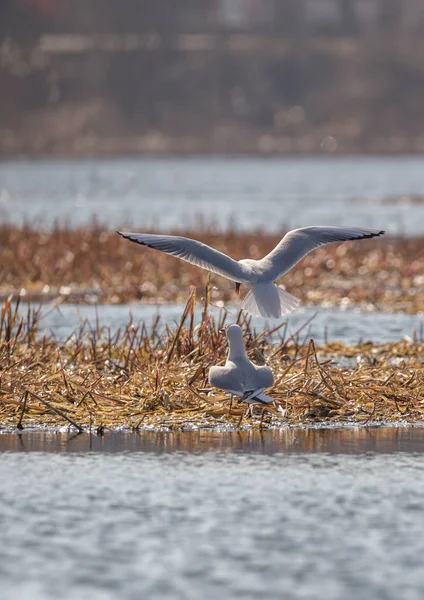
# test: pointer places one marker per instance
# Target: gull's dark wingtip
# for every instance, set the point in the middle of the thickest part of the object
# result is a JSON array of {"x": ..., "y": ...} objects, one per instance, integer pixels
[
  {"x": 369, "y": 235},
  {"x": 133, "y": 237},
  {"x": 376, "y": 233},
  {"x": 126, "y": 236}
]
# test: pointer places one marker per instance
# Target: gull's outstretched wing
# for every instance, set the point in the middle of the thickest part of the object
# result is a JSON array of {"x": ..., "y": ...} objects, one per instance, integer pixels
[
  {"x": 192, "y": 251},
  {"x": 299, "y": 242}
]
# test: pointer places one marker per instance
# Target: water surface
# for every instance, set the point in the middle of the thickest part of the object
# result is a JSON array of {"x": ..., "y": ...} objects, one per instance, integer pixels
[
  {"x": 215, "y": 524},
  {"x": 270, "y": 193},
  {"x": 349, "y": 326}
]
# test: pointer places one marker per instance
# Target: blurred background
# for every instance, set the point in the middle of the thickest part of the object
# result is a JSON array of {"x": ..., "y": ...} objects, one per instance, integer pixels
[{"x": 213, "y": 76}]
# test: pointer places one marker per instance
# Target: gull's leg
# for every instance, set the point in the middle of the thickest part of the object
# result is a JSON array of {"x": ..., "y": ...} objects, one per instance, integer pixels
[
  {"x": 231, "y": 403},
  {"x": 241, "y": 420}
]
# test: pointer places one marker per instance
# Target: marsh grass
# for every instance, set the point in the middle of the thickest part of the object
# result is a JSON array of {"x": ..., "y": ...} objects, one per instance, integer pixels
[
  {"x": 152, "y": 376},
  {"x": 90, "y": 265}
]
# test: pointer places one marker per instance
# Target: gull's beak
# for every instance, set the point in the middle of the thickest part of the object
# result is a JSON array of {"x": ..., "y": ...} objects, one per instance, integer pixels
[{"x": 238, "y": 289}]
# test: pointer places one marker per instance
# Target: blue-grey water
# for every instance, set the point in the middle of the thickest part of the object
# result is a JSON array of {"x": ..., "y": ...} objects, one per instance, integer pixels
[
  {"x": 349, "y": 326},
  {"x": 268, "y": 193},
  {"x": 215, "y": 522}
]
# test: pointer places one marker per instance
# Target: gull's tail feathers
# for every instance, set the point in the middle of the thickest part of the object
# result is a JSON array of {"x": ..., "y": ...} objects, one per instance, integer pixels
[
  {"x": 288, "y": 302},
  {"x": 269, "y": 301},
  {"x": 252, "y": 398},
  {"x": 264, "y": 399}
]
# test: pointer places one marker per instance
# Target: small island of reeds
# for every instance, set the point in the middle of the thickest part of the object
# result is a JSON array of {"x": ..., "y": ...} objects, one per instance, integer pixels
[{"x": 151, "y": 376}]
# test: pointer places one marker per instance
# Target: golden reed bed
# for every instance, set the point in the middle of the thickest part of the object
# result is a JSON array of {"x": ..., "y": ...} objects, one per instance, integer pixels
[
  {"x": 140, "y": 377},
  {"x": 92, "y": 265}
]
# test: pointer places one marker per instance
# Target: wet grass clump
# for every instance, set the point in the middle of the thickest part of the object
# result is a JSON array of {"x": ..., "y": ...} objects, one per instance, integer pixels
[
  {"x": 90, "y": 265},
  {"x": 152, "y": 376}
]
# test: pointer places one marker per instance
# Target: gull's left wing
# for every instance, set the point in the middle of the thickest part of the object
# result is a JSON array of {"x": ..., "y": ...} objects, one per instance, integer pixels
[{"x": 299, "y": 242}]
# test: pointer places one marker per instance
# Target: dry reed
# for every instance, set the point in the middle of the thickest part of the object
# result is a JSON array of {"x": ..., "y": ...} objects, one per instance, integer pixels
[{"x": 152, "y": 377}]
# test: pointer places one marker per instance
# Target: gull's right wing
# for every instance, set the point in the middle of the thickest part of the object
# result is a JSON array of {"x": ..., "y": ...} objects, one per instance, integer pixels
[{"x": 192, "y": 251}]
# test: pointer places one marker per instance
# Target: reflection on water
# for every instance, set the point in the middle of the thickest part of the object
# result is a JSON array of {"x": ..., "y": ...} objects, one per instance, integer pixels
[
  {"x": 334, "y": 440},
  {"x": 267, "y": 193}
]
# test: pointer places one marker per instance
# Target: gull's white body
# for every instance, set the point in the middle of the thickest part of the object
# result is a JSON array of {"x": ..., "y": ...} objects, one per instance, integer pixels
[
  {"x": 239, "y": 376},
  {"x": 264, "y": 298}
]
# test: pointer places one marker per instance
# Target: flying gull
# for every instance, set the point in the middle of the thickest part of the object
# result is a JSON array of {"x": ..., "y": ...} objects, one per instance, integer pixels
[{"x": 264, "y": 297}]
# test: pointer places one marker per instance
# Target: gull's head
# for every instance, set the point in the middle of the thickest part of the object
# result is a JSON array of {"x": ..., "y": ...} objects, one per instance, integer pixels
[{"x": 235, "y": 336}]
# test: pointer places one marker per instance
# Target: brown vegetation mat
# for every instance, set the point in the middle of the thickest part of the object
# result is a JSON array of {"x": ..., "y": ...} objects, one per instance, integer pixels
[
  {"x": 92, "y": 265},
  {"x": 137, "y": 378}
]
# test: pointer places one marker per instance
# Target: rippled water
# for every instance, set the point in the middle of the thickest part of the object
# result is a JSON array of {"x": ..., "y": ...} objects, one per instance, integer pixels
[
  {"x": 211, "y": 525},
  {"x": 253, "y": 192},
  {"x": 349, "y": 326}
]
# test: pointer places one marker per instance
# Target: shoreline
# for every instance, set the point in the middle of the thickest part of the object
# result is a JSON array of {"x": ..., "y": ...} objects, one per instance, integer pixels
[
  {"x": 36, "y": 156},
  {"x": 318, "y": 438}
]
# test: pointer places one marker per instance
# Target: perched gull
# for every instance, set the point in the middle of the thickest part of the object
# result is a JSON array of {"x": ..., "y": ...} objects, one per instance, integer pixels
[
  {"x": 264, "y": 298},
  {"x": 239, "y": 376}
]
